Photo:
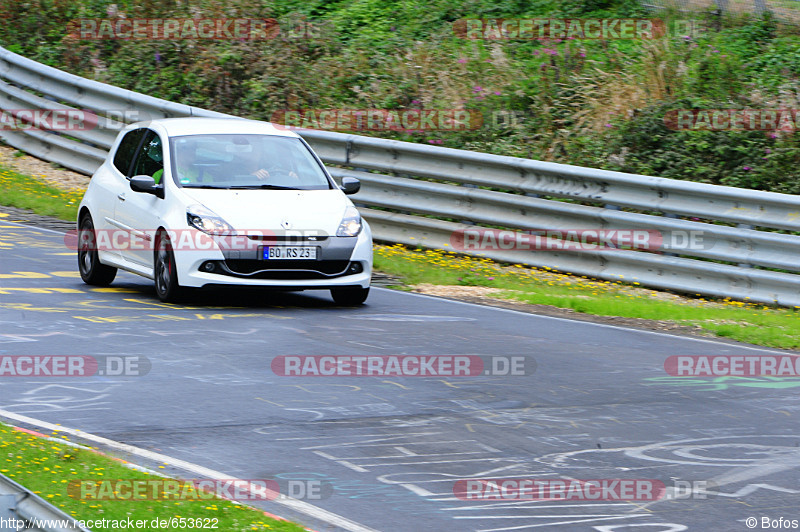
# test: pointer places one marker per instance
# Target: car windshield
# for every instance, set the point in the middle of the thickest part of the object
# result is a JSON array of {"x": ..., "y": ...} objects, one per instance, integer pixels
[{"x": 245, "y": 161}]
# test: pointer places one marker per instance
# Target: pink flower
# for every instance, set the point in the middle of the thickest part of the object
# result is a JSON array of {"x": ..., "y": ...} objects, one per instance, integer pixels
[
  {"x": 498, "y": 93},
  {"x": 462, "y": 60}
]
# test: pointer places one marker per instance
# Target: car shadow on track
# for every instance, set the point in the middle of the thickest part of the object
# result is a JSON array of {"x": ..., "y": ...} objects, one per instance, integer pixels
[{"x": 242, "y": 297}]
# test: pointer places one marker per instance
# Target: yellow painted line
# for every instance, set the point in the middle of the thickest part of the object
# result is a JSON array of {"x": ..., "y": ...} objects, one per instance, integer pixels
[
  {"x": 28, "y": 307},
  {"x": 70, "y": 273},
  {"x": 115, "y": 289},
  {"x": 24, "y": 275},
  {"x": 105, "y": 319},
  {"x": 3, "y": 214},
  {"x": 167, "y": 317},
  {"x": 169, "y": 306},
  {"x": 71, "y": 254},
  {"x": 211, "y": 317},
  {"x": 8, "y": 290}
]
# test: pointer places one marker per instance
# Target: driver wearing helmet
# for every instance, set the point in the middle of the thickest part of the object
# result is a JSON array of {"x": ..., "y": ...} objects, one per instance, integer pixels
[{"x": 185, "y": 159}]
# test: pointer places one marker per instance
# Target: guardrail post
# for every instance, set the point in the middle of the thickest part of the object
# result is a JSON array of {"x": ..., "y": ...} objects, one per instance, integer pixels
[
  {"x": 468, "y": 185},
  {"x": 744, "y": 226},
  {"x": 358, "y": 205},
  {"x": 674, "y": 216},
  {"x": 347, "y": 148}
]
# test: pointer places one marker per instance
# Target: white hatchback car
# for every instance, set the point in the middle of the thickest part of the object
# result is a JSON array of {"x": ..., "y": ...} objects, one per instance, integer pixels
[{"x": 193, "y": 202}]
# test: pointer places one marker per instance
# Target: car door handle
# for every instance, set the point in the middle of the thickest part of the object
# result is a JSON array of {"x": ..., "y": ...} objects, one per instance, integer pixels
[{"x": 121, "y": 197}]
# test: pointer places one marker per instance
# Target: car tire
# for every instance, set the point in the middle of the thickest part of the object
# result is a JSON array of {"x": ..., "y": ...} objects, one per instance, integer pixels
[
  {"x": 165, "y": 272},
  {"x": 92, "y": 271},
  {"x": 350, "y": 296}
]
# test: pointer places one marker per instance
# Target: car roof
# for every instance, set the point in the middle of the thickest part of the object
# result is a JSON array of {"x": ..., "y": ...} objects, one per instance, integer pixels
[{"x": 178, "y": 127}]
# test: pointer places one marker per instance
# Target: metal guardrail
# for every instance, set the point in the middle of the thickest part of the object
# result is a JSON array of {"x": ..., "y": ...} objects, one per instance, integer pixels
[
  {"x": 411, "y": 194},
  {"x": 19, "y": 503}
]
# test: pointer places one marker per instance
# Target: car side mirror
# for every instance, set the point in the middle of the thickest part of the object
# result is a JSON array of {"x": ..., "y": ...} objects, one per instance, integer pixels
[
  {"x": 146, "y": 184},
  {"x": 350, "y": 185}
]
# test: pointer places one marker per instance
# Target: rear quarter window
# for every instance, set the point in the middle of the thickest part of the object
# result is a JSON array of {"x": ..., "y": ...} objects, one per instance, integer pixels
[{"x": 127, "y": 150}]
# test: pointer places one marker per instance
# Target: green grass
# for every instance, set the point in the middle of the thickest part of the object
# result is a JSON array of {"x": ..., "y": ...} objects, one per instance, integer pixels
[
  {"x": 746, "y": 322},
  {"x": 46, "y": 467},
  {"x": 26, "y": 192}
]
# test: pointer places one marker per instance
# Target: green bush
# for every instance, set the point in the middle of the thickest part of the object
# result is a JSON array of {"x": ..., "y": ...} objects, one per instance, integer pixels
[{"x": 586, "y": 102}]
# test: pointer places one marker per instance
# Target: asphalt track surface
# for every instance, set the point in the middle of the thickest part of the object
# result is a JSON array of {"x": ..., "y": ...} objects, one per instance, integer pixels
[{"x": 599, "y": 405}]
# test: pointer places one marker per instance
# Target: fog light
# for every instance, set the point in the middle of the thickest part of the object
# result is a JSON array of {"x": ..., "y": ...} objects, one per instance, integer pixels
[
  {"x": 209, "y": 266},
  {"x": 355, "y": 267}
]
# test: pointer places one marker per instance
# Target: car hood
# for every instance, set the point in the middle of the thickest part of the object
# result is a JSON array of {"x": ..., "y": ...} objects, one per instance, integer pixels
[{"x": 304, "y": 210}]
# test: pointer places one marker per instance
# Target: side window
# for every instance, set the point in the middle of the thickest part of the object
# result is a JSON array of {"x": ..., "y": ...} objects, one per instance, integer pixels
[
  {"x": 150, "y": 160},
  {"x": 127, "y": 150}
]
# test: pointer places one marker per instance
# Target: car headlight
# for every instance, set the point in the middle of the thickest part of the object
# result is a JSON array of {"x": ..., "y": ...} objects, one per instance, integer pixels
[
  {"x": 207, "y": 221},
  {"x": 351, "y": 223}
]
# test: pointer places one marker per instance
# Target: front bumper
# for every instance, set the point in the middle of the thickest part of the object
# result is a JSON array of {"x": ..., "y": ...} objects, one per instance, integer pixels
[{"x": 341, "y": 261}]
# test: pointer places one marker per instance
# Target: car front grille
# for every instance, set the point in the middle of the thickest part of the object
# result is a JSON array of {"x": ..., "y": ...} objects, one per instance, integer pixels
[{"x": 283, "y": 269}]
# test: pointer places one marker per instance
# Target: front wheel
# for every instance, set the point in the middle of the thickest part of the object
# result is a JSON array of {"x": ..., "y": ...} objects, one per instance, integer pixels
[
  {"x": 92, "y": 271},
  {"x": 350, "y": 296},
  {"x": 166, "y": 272}
]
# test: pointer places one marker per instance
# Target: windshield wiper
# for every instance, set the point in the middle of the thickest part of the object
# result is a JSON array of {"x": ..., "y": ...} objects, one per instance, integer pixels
[{"x": 265, "y": 186}]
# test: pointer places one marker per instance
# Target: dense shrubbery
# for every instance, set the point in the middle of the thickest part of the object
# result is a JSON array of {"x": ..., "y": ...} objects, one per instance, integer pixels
[{"x": 591, "y": 103}]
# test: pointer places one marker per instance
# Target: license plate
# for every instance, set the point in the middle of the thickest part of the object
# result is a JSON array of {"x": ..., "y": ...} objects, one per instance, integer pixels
[{"x": 289, "y": 253}]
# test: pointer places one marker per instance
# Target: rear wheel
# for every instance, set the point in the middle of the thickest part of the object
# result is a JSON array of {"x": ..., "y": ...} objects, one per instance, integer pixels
[
  {"x": 350, "y": 296},
  {"x": 92, "y": 270},
  {"x": 166, "y": 272}
]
